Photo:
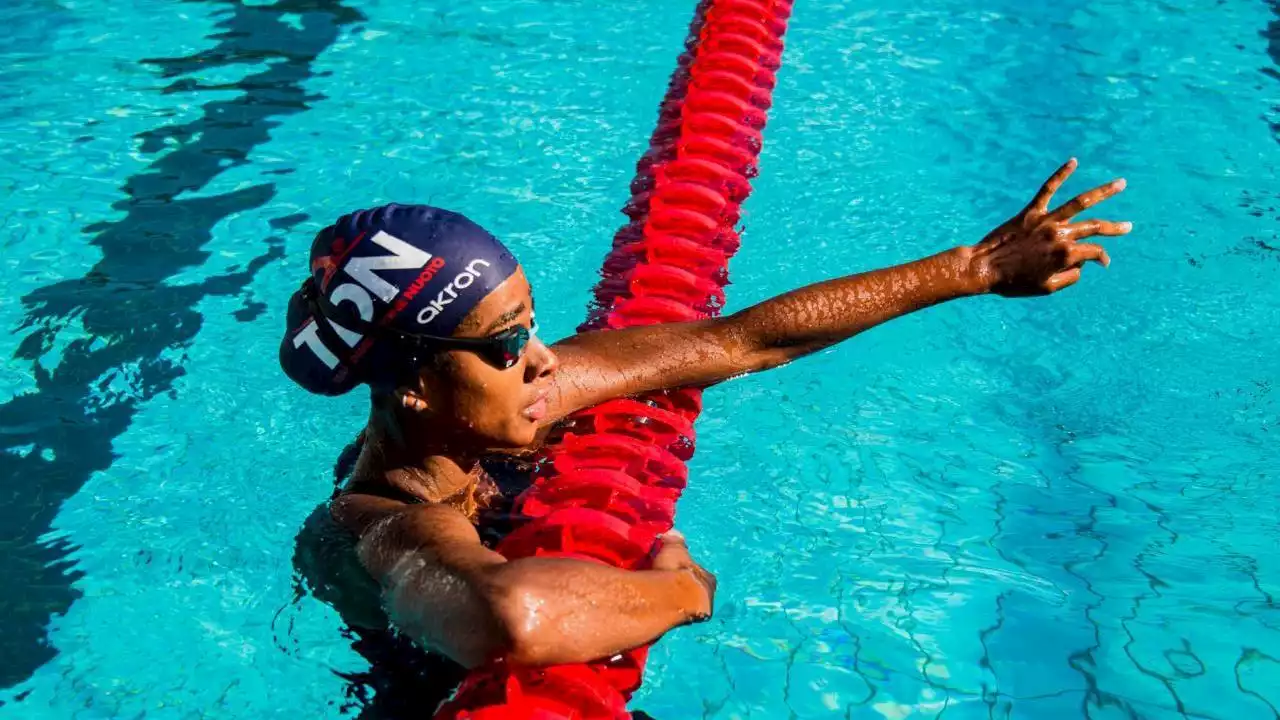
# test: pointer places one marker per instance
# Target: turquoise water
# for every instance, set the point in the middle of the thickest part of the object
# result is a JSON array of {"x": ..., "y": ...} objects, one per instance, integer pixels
[{"x": 1038, "y": 509}]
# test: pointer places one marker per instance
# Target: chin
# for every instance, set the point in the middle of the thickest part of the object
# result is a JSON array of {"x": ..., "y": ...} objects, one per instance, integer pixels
[
  {"x": 513, "y": 437},
  {"x": 522, "y": 434}
]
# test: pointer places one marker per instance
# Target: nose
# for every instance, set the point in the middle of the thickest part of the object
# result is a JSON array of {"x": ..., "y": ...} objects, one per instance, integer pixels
[{"x": 540, "y": 361}]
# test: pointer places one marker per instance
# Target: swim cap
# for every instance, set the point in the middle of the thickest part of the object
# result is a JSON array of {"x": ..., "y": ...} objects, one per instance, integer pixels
[{"x": 413, "y": 269}]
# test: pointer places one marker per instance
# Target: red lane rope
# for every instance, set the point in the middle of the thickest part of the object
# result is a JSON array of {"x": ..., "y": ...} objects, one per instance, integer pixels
[{"x": 608, "y": 484}]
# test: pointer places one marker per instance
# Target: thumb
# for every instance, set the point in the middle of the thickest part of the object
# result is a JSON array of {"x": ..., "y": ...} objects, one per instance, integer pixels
[
  {"x": 671, "y": 551},
  {"x": 673, "y": 542}
]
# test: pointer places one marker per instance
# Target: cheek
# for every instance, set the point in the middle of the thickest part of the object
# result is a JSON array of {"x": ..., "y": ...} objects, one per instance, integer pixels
[{"x": 486, "y": 398}]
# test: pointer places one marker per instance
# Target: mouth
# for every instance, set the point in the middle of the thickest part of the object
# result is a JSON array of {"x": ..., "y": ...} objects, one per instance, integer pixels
[{"x": 537, "y": 409}]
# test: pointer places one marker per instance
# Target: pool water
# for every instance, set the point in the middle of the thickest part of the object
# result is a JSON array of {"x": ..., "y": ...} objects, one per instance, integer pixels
[{"x": 1050, "y": 508}]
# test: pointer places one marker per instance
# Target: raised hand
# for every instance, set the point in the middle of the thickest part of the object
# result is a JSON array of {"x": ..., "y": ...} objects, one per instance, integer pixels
[{"x": 1039, "y": 251}]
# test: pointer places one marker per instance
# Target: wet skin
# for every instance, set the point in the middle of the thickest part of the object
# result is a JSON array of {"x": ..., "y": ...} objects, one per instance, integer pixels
[{"x": 409, "y": 501}]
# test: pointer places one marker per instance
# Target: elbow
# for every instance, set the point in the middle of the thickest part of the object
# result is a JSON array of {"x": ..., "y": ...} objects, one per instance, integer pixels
[
  {"x": 756, "y": 344},
  {"x": 495, "y": 615},
  {"x": 528, "y": 649},
  {"x": 749, "y": 349},
  {"x": 525, "y": 629}
]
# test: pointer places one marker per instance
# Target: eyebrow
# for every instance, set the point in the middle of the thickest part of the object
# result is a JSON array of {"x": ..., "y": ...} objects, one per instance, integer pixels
[{"x": 505, "y": 318}]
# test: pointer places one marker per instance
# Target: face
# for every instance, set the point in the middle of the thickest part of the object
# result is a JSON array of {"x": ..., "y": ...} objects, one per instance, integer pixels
[{"x": 485, "y": 404}]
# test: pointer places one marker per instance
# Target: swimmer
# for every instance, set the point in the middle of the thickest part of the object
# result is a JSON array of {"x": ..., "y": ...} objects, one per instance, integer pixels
[{"x": 436, "y": 317}]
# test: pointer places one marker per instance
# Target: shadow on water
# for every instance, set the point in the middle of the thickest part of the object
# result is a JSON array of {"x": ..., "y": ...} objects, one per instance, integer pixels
[
  {"x": 1272, "y": 35},
  {"x": 60, "y": 433}
]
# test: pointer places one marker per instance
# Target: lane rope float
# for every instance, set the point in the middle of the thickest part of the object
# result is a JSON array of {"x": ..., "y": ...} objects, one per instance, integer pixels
[{"x": 608, "y": 483}]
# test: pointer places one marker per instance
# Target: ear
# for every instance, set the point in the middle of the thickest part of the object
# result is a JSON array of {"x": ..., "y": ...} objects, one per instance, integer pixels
[{"x": 412, "y": 399}]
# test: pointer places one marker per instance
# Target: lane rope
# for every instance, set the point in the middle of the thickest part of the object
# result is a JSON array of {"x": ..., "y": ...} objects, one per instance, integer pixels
[{"x": 607, "y": 485}]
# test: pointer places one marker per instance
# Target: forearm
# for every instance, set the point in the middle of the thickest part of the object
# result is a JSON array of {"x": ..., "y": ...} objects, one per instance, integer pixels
[
  {"x": 536, "y": 611},
  {"x": 565, "y": 611},
  {"x": 816, "y": 316},
  {"x": 600, "y": 365}
]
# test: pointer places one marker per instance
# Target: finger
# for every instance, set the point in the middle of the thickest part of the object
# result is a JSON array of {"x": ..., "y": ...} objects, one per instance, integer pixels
[
  {"x": 1089, "y": 228},
  {"x": 1042, "y": 199},
  {"x": 1082, "y": 253},
  {"x": 1066, "y": 278},
  {"x": 1084, "y": 201},
  {"x": 673, "y": 536}
]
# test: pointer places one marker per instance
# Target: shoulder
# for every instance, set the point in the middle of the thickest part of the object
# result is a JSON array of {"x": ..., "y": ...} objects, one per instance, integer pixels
[
  {"x": 357, "y": 511},
  {"x": 385, "y": 529},
  {"x": 326, "y": 564}
]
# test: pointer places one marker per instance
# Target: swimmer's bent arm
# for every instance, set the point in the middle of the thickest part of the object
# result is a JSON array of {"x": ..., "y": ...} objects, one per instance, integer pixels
[
  {"x": 456, "y": 597},
  {"x": 1037, "y": 252}
]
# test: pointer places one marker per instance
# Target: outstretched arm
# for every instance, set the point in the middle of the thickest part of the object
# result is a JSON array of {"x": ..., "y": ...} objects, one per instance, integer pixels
[{"x": 1037, "y": 252}]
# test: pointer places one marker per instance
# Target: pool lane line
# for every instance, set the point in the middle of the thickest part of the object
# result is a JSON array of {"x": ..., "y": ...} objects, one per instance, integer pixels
[{"x": 606, "y": 486}]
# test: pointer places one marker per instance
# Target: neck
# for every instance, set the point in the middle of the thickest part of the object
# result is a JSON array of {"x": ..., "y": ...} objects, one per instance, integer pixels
[{"x": 408, "y": 454}]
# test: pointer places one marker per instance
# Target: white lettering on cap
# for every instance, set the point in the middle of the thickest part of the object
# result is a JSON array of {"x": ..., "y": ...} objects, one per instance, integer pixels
[
  {"x": 352, "y": 293},
  {"x": 450, "y": 292},
  {"x": 404, "y": 257},
  {"x": 310, "y": 337}
]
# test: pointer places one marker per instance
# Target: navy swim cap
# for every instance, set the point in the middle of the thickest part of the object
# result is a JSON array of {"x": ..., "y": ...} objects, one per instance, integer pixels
[{"x": 409, "y": 268}]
